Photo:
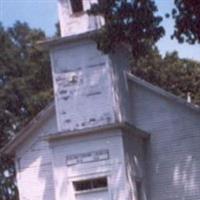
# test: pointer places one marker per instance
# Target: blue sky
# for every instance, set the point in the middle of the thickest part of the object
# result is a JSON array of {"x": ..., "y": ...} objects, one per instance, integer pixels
[{"x": 43, "y": 14}]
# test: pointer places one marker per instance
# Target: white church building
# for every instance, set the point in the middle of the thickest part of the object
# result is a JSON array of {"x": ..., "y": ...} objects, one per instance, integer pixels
[{"x": 108, "y": 135}]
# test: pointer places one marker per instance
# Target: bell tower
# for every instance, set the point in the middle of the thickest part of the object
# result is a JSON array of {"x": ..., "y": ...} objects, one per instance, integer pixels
[
  {"x": 89, "y": 86},
  {"x": 74, "y": 19},
  {"x": 92, "y": 110}
]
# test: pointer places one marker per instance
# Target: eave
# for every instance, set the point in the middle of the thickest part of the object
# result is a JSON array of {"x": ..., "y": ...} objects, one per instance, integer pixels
[
  {"x": 134, "y": 79},
  {"x": 53, "y": 42},
  {"x": 11, "y": 146},
  {"x": 77, "y": 133}
]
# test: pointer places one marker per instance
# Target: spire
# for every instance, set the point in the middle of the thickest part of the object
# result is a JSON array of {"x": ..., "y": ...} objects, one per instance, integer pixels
[{"x": 89, "y": 86}]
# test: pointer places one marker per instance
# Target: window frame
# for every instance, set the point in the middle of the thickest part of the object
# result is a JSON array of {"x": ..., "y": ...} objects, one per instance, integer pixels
[{"x": 92, "y": 187}]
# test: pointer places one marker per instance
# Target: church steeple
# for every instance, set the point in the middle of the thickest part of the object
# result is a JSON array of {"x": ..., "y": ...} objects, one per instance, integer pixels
[
  {"x": 89, "y": 86},
  {"x": 74, "y": 19}
]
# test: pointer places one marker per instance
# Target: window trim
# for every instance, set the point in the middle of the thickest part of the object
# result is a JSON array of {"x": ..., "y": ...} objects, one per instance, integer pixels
[{"x": 92, "y": 189}]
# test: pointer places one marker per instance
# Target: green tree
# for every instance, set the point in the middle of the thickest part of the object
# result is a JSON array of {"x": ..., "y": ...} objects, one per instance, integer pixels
[
  {"x": 134, "y": 22},
  {"x": 131, "y": 22},
  {"x": 25, "y": 88},
  {"x": 187, "y": 20},
  {"x": 178, "y": 76}
]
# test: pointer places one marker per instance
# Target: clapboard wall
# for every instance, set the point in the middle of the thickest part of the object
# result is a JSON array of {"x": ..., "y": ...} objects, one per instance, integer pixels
[
  {"x": 34, "y": 163},
  {"x": 167, "y": 163},
  {"x": 83, "y": 147},
  {"x": 173, "y": 163},
  {"x": 135, "y": 164}
]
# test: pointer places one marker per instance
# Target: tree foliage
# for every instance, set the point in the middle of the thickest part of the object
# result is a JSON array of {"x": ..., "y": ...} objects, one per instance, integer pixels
[
  {"x": 8, "y": 189},
  {"x": 25, "y": 88},
  {"x": 134, "y": 22},
  {"x": 187, "y": 20},
  {"x": 131, "y": 22},
  {"x": 178, "y": 76}
]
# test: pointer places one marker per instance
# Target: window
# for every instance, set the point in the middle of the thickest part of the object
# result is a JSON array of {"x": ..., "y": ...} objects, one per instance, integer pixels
[
  {"x": 90, "y": 184},
  {"x": 77, "y": 6}
]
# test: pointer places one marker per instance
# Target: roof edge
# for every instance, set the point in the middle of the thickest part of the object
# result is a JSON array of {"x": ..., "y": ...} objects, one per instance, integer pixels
[
  {"x": 10, "y": 147},
  {"x": 162, "y": 92},
  {"x": 66, "y": 40},
  {"x": 118, "y": 125}
]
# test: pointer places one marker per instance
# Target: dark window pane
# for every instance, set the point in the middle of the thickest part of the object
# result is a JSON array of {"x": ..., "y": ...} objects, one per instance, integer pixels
[
  {"x": 77, "y": 6},
  {"x": 82, "y": 185},
  {"x": 99, "y": 183},
  {"x": 90, "y": 184}
]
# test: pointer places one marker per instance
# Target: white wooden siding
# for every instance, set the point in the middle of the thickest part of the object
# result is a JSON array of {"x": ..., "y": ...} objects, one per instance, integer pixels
[
  {"x": 82, "y": 87},
  {"x": 113, "y": 168},
  {"x": 34, "y": 165},
  {"x": 173, "y": 153}
]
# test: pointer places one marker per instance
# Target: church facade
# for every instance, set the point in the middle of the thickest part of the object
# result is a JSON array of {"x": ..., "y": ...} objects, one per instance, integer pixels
[{"x": 108, "y": 135}]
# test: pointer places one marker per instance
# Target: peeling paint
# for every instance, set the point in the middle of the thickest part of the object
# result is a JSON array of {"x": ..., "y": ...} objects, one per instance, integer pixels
[{"x": 84, "y": 97}]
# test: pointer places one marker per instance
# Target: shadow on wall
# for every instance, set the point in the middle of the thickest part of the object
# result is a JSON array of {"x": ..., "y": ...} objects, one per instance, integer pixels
[
  {"x": 173, "y": 152},
  {"x": 174, "y": 161},
  {"x": 35, "y": 177},
  {"x": 185, "y": 177},
  {"x": 135, "y": 163}
]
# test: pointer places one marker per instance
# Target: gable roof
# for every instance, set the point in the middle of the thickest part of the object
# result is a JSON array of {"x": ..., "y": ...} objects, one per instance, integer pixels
[
  {"x": 134, "y": 79},
  {"x": 28, "y": 128},
  {"x": 41, "y": 116}
]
